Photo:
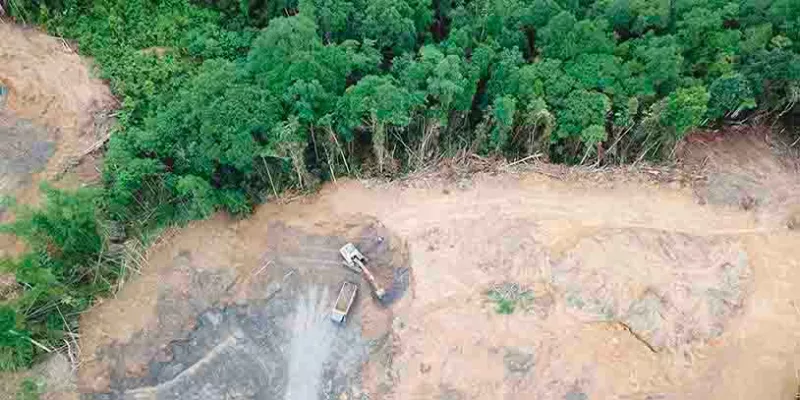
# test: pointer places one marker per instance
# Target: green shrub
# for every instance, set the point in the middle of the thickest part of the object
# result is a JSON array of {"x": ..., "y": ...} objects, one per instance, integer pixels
[
  {"x": 16, "y": 350},
  {"x": 29, "y": 390},
  {"x": 62, "y": 270},
  {"x": 63, "y": 232},
  {"x": 505, "y": 306}
]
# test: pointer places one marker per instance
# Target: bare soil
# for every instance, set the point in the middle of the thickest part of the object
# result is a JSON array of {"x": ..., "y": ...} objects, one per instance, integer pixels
[
  {"x": 642, "y": 284},
  {"x": 254, "y": 325},
  {"x": 50, "y": 85},
  {"x": 52, "y": 109}
]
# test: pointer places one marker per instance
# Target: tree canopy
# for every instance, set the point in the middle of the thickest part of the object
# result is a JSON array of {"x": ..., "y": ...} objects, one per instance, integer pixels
[{"x": 391, "y": 82}]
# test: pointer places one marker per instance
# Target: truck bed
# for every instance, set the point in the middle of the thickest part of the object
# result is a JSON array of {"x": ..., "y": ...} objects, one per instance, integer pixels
[{"x": 345, "y": 297}]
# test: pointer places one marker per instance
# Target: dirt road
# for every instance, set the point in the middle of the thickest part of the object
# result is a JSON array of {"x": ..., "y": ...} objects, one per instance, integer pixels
[{"x": 626, "y": 288}]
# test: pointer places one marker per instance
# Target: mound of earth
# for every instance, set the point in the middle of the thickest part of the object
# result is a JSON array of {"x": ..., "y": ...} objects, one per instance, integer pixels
[
  {"x": 684, "y": 290},
  {"x": 52, "y": 110}
]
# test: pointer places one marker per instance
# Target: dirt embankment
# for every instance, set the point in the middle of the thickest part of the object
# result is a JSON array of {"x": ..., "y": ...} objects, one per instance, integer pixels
[
  {"x": 52, "y": 108},
  {"x": 672, "y": 284}
]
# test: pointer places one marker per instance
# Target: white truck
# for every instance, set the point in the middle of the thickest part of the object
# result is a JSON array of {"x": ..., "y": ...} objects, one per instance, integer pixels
[{"x": 343, "y": 302}]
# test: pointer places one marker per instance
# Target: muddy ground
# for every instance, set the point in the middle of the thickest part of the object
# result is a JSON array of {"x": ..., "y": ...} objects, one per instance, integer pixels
[
  {"x": 264, "y": 332},
  {"x": 671, "y": 283}
]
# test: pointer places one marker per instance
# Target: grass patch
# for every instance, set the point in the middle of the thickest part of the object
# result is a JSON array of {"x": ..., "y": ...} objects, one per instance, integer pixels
[
  {"x": 509, "y": 297},
  {"x": 30, "y": 390}
]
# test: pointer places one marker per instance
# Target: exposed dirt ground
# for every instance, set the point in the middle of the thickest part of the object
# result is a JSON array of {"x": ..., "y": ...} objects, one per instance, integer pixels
[
  {"x": 244, "y": 313},
  {"x": 659, "y": 284},
  {"x": 51, "y": 110}
]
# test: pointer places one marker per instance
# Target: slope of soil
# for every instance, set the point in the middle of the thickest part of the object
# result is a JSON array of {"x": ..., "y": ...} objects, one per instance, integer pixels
[
  {"x": 25, "y": 151},
  {"x": 628, "y": 287},
  {"x": 51, "y": 110}
]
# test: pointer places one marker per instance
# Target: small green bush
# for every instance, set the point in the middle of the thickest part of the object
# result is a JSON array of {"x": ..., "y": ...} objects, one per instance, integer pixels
[
  {"x": 505, "y": 306},
  {"x": 16, "y": 350},
  {"x": 510, "y": 296},
  {"x": 29, "y": 390}
]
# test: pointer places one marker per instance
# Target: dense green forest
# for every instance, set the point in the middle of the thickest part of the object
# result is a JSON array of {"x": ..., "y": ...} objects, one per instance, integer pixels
[{"x": 224, "y": 103}]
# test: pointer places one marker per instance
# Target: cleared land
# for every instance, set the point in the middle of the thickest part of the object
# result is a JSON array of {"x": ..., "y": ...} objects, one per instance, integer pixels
[{"x": 655, "y": 284}]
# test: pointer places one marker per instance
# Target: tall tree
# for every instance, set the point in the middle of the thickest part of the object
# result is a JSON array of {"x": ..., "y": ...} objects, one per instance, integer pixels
[
  {"x": 396, "y": 24},
  {"x": 380, "y": 105},
  {"x": 686, "y": 108}
]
